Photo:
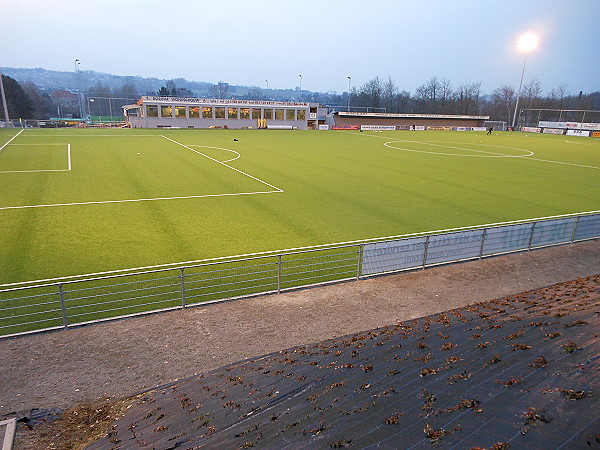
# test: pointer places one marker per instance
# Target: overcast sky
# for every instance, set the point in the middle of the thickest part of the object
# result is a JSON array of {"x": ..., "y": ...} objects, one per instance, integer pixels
[{"x": 248, "y": 42}]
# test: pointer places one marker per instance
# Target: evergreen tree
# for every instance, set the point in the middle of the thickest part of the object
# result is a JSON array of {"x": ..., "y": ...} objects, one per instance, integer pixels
[{"x": 20, "y": 106}]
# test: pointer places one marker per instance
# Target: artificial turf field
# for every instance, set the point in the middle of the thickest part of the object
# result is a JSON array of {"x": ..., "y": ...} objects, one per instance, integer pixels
[{"x": 78, "y": 201}]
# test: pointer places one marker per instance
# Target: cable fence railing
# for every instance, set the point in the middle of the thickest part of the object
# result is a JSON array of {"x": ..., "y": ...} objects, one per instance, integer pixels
[{"x": 62, "y": 304}]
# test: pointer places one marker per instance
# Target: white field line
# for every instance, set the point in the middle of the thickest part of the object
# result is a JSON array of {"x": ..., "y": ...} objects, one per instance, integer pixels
[
  {"x": 42, "y": 170},
  {"x": 220, "y": 148},
  {"x": 295, "y": 249},
  {"x": 474, "y": 156},
  {"x": 102, "y": 202},
  {"x": 92, "y": 135},
  {"x": 487, "y": 155},
  {"x": 222, "y": 163},
  {"x": 11, "y": 139},
  {"x": 564, "y": 163}
]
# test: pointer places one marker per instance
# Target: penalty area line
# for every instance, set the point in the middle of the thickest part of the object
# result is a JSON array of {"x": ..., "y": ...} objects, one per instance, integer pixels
[
  {"x": 139, "y": 200},
  {"x": 11, "y": 139}
]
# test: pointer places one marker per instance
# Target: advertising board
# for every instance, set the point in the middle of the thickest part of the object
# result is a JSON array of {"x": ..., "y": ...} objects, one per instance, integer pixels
[
  {"x": 531, "y": 129},
  {"x": 578, "y": 133},
  {"x": 344, "y": 127},
  {"x": 378, "y": 127},
  {"x": 553, "y": 131}
]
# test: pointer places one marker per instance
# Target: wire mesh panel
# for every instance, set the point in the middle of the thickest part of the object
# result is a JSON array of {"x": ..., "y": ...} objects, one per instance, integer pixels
[
  {"x": 321, "y": 266},
  {"x": 112, "y": 297},
  {"x": 33, "y": 308},
  {"x": 588, "y": 227},
  {"x": 389, "y": 256},
  {"x": 508, "y": 238},
  {"x": 454, "y": 246},
  {"x": 550, "y": 232},
  {"x": 228, "y": 279}
]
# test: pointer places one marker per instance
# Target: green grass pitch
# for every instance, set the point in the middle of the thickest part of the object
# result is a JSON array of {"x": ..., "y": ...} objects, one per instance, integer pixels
[{"x": 78, "y": 201}]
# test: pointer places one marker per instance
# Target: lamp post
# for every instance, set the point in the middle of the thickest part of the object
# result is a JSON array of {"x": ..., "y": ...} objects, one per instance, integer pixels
[
  {"x": 78, "y": 82},
  {"x": 527, "y": 42},
  {"x": 349, "y": 82},
  {"x": 300, "y": 82},
  {"x": 267, "y": 81},
  {"x": 6, "y": 118}
]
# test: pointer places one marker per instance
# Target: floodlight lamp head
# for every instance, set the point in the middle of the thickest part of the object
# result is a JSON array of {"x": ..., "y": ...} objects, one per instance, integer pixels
[{"x": 528, "y": 42}]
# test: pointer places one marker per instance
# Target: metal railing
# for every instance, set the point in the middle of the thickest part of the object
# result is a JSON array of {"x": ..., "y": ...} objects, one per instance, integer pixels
[{"x": 64, "y": 303}]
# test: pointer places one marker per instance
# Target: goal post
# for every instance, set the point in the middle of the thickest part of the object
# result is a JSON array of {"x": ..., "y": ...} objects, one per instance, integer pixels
[{"x": 497, "y": 125}]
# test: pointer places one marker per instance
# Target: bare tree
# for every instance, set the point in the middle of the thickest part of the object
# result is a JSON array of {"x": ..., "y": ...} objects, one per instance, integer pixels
[
  {"x": 468, "y": 98},
  {"x": 370, "y": 94},
  {"x": 503, "y": 98},
  {"x": 446, "y": 95},
  {"x": 557, "y": 96},
  {"x": 422, "y": 96},
  {"x": 389, "y": 93},
  {"x": 404, "y": 103},
  {"x": 531, "y": 93},
  {"x": 219, "y": 90}
]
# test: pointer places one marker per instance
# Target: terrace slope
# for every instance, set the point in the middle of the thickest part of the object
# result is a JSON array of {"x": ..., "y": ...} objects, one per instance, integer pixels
[{"x": 114, "y": 360}]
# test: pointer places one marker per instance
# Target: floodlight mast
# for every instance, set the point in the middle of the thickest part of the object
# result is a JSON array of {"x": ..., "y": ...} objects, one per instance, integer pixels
[
  {"x": 527, "y": 42},
  {"x": 6, "y": 118},
  {"x": 349, "y": 82}
]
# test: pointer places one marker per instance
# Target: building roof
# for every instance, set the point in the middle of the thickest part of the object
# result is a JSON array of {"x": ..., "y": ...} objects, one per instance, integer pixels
[
  {"x": 408, "y": 116},
  {"x": 220, "y": 102}
]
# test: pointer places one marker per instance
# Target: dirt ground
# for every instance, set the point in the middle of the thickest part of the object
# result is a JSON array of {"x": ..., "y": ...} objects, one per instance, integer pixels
[{"x": 118, "y": 359}]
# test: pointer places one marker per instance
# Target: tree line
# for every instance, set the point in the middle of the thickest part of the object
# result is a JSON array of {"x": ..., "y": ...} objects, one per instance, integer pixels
[
  {"x": 439, "y": 96},
  {"x": 435, "y": 96}
]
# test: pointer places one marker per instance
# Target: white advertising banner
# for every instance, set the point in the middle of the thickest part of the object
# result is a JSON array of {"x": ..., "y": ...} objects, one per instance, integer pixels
[
  {"x": 570, "y": 125},
  {"x": 578, "y": 133},
  {"x": 378, "y": 127},
  {"x": 531, "y": 129},
  {"x": 323, "y": 127},
  {"x": 553, "y": 131},
  {"x": 479, "y": 129}
]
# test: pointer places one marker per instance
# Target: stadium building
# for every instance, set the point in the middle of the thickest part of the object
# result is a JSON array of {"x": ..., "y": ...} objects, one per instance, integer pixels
[
  {"x": 177, "y": 112},
  {"x": 188, "y": 112}
]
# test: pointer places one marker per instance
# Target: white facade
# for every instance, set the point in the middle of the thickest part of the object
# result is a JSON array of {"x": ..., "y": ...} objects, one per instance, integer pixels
[{"x": 178, "y": 112}]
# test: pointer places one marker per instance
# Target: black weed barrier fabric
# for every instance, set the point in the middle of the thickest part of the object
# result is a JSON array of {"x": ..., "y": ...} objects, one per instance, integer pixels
[{"x": 520, "y": 372}]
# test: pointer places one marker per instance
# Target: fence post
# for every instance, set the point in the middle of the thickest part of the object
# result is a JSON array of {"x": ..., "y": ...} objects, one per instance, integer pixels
[
  {"x": 425, "y": 252},
  {"x": 575, "y": 229},
  {"x": 482, "y": 242},
  {"x": 278, "y": 274},
  {"x": 62, "y": 305},
  {"x": 182, "y": 275},
  {"x": 361, "y": 248},
  {"x": 531, "y": 236}
]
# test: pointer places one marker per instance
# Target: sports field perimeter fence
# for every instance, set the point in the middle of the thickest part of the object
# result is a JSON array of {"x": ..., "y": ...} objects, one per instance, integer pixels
[{"x": 61, "y": 304}]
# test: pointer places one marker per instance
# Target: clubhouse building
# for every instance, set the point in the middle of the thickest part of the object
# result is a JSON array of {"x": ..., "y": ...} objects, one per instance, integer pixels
[{"x": 177, "y": 112}]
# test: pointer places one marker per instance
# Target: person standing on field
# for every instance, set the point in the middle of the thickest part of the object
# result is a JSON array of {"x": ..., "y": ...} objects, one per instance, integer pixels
[{"x": 490, "y": 129}]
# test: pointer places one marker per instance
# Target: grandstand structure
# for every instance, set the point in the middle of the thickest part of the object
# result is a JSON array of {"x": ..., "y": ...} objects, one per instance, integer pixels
[
  {"x": 406, "y": 121},
  {"x": 180, "y": 112}
]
